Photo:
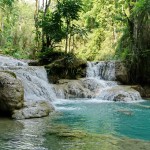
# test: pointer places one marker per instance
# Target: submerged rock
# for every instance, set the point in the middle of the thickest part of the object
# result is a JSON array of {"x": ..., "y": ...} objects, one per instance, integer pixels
[
  {"x": 33, "y": 109},
  {"x": 125, "y": 112},
  {"x": 11, "y": 92}
]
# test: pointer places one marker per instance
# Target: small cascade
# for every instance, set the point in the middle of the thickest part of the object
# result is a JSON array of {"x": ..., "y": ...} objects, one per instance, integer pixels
[
  {"x": 101, "y": 77},
  {"x": 100, "y": 83},
  {"x": 101, "y": 70},
  {"x": 34, "y": 79},
  {"x": 11, "y": 62}
]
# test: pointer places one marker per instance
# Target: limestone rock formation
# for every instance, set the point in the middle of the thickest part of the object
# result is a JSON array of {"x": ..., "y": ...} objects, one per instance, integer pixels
[
  {"x": 121, "y": 72},
  {"x": 33, "y": 109},
  {"x": 93, "y": 88},
  {"x": 120, "y": 93},
  {"x": 11, "y": 92},
  {"x": 65, "y": 67},
  {"x": 72, "y": 89},
  {"x": 147, "y": 91},
  {"x": 24, "y": 90}
]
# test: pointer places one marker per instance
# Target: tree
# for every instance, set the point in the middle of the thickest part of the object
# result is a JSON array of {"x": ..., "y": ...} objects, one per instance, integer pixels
[
  {"x": 56, "y": 23},
  {"x": 69, "y": 10},
  {"x": 98, "y": 18},
  {"x": 135, "y": 41},
  {"x": 16, "y": 29},
  {"x": 50, "y": 23},
  {"x": 4, "y": 3}
]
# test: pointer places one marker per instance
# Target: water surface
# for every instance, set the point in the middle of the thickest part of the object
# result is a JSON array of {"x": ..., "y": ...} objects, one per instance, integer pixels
[
  {"x": 81, "y": 125},
  {"x": 116, "y": 118}
]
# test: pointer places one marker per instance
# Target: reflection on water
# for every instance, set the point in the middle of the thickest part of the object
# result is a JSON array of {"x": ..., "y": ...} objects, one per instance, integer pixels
[
  {"x": 88, "y": 126},
  {"x": 22, "y": 135}
]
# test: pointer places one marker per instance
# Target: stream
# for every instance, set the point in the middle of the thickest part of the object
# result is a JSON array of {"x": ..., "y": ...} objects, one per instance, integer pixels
[
  {"x": 83, "y": 124},
  {"x": 94, "y": 113}
]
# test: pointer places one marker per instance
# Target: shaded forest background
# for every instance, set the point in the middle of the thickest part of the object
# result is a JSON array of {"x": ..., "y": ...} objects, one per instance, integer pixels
[{"x": 88, "y": 29}]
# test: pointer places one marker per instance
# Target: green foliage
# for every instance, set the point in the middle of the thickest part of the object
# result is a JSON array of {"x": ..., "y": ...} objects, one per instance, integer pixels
[
  {"x": 6, "y": 3},
  {"x": 51, "y": 25},
  {"x": 56, "y": 25},
  {"x": 16, "y": 37},
  {"x": 124, "y": 46},
  {"x": 99, "y": 20},
  {"x": 70, "y": 9},
  {"x": 134, "y": 45}
]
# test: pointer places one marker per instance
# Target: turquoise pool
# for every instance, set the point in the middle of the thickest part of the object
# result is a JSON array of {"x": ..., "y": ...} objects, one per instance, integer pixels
[
  {"x": 120, "y": 119},
  {"x": 81, "y": 125}
]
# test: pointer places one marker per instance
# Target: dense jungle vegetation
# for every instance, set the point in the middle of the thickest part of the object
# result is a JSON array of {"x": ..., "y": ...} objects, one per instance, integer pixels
[{"x": 89, "y": 29}]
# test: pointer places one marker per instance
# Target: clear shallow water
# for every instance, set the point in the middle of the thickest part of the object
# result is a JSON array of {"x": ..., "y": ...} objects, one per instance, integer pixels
[
  {"x": 120, "y": 119},
  {"x": 81, "y": 125}
]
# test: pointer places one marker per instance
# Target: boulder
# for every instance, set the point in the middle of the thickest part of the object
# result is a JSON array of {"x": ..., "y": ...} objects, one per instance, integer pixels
[
  {"x": 140, "y": 89},
  {"x": 72, "y": 89},
  {"x": 33, "y": 109},
  {"x": 11, "y": 92},
  {"x": 121, "y": 72},
  {"x": 147, "y": 91},
  {"x": 143, "y": 90}
]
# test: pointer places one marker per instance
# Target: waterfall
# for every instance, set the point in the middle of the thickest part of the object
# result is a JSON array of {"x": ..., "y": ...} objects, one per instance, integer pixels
[
  {"x": 103, "y": 73},
  {"x": 11, "y": 62},
  {"x": 101, "y": 70},
  {"x": 100, "y": 82},
  {"x": 34, "y": 79}
]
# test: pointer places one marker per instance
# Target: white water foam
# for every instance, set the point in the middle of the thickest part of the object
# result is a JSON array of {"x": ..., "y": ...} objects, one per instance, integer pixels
[
  {"x": 34, "y": 79},
  {"x": 102, "y": 74},
  {"x": 100, "y": 80}
]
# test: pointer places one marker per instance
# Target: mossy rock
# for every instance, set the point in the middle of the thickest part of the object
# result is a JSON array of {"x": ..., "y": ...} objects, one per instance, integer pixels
[
  {"x": 66, "y": 67},
  {"x": 11, "y": 93},
  {"x": 11, "y": 73}
]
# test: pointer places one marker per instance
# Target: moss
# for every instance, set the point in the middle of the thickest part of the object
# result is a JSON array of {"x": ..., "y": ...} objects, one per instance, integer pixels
[
  {"x": 65, "y": 66},
  {"x": 70, "y": 139},
  {"x": 11, "y": 73},
  {"x": 64, "y": 132}
]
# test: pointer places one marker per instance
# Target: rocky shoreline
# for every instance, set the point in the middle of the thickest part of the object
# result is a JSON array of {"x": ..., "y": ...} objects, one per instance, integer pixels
[
  {"x": 16, "y": 90},
  {"x": 26, "y": 93}
]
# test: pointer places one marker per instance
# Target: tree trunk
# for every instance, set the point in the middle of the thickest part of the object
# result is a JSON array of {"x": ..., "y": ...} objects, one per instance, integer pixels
[
  {"x": 70, "y": 43},
  {"x": 67, "y": 32},
  {"x": 73, "y": 44},
  {"x": 46, "y": 5}
]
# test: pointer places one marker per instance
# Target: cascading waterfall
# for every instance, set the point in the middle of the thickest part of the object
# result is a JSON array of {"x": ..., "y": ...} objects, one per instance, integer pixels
[
  {"x": 101, "y": 70},
  {"x": 34, "y": 79},
  {"x": 104, "y": 73},
  {"x": 110, "y": 125},
  {"x": 99, "y": 83}
]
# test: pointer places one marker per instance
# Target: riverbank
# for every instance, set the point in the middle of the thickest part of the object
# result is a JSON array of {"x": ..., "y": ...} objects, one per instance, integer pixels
[{"x": 100, "y": 80}]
